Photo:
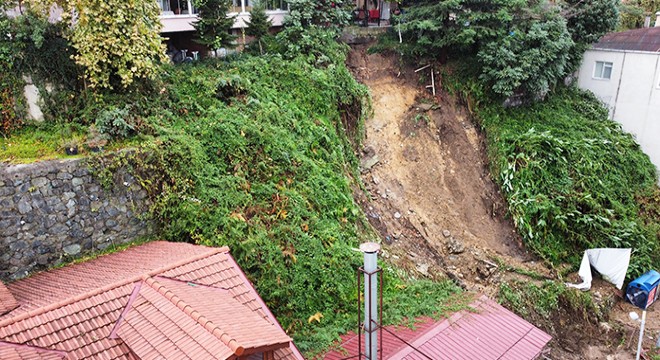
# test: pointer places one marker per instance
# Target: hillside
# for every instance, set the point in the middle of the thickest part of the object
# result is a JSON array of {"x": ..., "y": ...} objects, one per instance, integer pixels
[{"x": 431, "y": 197}]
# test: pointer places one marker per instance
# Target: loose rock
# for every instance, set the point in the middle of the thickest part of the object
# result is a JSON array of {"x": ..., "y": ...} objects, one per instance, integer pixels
[{"x": 455, "y": 246}]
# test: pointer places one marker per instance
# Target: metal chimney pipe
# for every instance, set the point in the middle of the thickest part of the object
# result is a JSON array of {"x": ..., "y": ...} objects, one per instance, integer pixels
[
  {"x": 370, "y": 251},
  {"x": 657, "y": 19},
  {"x": 647, "y": 21}
]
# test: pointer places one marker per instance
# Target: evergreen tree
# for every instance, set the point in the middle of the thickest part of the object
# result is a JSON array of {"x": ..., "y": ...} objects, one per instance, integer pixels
[
  {"x": 587, "y": 22},
  {"x": 258, "y": 24},
  {"x": 214, "y": 26}
]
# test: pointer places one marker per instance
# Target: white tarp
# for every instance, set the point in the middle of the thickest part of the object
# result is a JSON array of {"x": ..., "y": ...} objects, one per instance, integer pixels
[{"x": 612, "y": 264}]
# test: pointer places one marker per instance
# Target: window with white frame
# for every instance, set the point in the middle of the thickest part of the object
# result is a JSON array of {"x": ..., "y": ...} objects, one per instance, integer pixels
[{"x": 603, "y": 70}]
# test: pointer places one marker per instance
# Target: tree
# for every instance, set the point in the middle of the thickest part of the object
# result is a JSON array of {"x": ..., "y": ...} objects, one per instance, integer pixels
[
  {"x": 588, "y": 21},
  {"x": 521, "y": 45},
  {"x": 528, "y": 61},
  {"x": 118, "y": 41},
  {"x": 334, "y": 14},
  {"x": 258, "y": 24},
  {"x": 214, "y": 26}
]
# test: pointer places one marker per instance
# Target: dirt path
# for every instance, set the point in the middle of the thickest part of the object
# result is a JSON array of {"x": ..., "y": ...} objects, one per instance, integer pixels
[{"x": 432, "y": 200}]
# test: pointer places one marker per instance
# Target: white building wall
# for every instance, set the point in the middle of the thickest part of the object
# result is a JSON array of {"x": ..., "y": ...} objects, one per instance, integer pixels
[
  {"x": 177, "y": 23},
  {"x": 606, "y": 90},
  {"x": 632, "y": 94}
]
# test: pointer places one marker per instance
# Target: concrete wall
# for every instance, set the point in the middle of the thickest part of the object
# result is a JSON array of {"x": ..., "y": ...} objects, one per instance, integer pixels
[
  {"x": 51, "y": 211},
  {"x": 632, "y": 94}
]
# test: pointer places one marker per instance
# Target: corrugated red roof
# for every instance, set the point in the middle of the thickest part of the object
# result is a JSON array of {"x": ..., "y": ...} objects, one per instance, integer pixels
[
  {"x": 647, "y": 39},
  {"x": 391, "y": 343},
  {"x": 7, "y": 300},
  {"x": 74, "y": 310},
  {"x": 490, "y": 332}
]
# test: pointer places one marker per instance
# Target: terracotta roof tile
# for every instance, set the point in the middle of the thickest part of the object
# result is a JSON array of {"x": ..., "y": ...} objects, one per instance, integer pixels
[
  {"x": 290, "y": 353},
  {"x": 244, "y": 326},
  {"x": 155, "y": 328},
  {"x": 218, "y": 271},
  {"x": 80, "y": 328},
  {"x": 57, "y": 285},
  {"x": 23, "y": 352},
  {"x": 75, "y": 309},
  {"x": 7, "y": 300}
]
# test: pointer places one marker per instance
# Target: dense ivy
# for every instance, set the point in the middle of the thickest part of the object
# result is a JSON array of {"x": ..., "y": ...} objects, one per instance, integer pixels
[
  {"x": 573, "y": 179},
  {"x": 253, "y": 153}
]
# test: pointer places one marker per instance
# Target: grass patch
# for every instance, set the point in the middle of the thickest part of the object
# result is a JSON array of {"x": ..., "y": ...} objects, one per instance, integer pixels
[
  {"x": 47, "y": 141},
  {"x": 569, "y": 315}
]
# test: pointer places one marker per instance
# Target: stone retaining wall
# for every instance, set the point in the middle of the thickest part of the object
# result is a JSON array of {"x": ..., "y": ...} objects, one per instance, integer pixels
[{"x": 52, "y": 211}]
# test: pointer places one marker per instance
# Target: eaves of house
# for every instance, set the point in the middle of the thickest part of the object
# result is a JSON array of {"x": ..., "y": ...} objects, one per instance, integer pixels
[{"x": 159, "y": 300}]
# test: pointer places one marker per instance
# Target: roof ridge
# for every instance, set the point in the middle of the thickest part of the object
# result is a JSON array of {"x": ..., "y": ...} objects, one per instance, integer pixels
[
  {"x": 202, "y": 320},
  {"x": 97, "y": 291}
]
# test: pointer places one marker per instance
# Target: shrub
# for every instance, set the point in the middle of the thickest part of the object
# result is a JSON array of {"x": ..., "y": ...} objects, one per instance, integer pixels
[
  {"x": 117, "y": 42},
  {"x": 116, "y": 122}
]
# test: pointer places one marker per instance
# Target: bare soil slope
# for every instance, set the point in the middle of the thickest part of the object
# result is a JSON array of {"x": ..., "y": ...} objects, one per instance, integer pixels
[
  {"x": 431, "y": 198},
  {"x": 424, "y": 167}
]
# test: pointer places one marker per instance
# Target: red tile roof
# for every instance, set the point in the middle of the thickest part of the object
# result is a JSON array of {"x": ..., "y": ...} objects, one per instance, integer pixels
[
  {"x": 173, "y": 299},
  {"x": 647, "y": 39},
  {"x": 491, "y": 332},
  {"x": 7, "y": 300},
  {"x": 23, "y": 352}
]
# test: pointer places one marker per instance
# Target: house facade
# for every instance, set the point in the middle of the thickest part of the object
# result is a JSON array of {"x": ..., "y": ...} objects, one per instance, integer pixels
[
  {"x": 623, "y": 71},
  {"x": 180, "y": 15}
]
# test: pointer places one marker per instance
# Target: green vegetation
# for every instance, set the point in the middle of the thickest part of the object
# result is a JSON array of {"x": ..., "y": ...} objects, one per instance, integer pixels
[
  {"x": 258, "y": 25},
  {"x": 634, "y": 13},
  {"x": 572, "y": 178},
  {"x": 551, "y": 305},
  {"x": 521, "y": 47},
  {"x": 331, "y": 14},
  {"x": 214, "y": 26},
  {"x": 110, "y": 55}
]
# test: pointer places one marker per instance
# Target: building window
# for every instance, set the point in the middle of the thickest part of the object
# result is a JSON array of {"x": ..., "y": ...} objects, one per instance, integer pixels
[
  {"x": 276, "y": 5},
  {"x": 603, "y": 70}
]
